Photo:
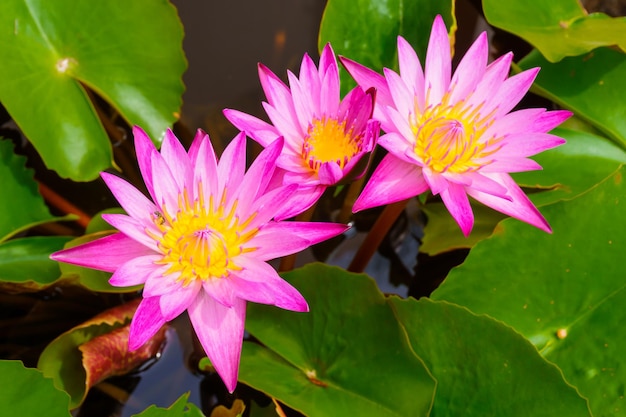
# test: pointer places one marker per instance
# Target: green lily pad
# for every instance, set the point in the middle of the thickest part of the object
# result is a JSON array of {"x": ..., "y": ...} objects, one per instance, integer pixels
[
  {"x": 592, "y": 86},
  {"x": 498, "y": 373},
  {"x": 366, "y": 30},
  {"x": 180, "y": 408},
  {"x": 129, "y": 53},
  {"x": 347, "y": 356},
  {"x": 27, "y": 393},
  {"x": 18, "y": 191},
  {"x": 561, "y": 291},
  {"x": 558, "y": 28},
  {"x": 26, "y": 261}
]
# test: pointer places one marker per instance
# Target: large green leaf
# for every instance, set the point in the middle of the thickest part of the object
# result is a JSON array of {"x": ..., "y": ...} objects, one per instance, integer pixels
[
  {"x": 564, "y": 292},
  {"x": 558, "y": 28},
  {"x": 180, "y": 408},
  {"x": 26, "y": 261},
  {"x": 366, "y": 30},
  {"x": 592, "y": 86},
  {"x": 130, "y": 53},
  {"x": 21, "y": 205},
  {"x": 347, "y": 356},
  {"x": 484, "y": 368},
  {"x": 26, "y": 393}
]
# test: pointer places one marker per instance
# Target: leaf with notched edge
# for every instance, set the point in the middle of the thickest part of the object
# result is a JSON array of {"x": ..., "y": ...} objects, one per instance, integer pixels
[{"x": 94, "y": 351}]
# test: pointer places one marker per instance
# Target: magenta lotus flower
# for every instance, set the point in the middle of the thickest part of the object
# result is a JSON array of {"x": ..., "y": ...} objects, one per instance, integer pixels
[
  {"x": 325, "y": 138},
  {"x": 202, "y": 243},
  {"x": 455, "y": 135}
]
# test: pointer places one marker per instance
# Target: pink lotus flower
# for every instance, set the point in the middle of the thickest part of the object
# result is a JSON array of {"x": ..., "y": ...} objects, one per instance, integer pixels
[
  {"x": 456, "y": 135},
  {"x": 324, "y": 137},
  {"x": 201, "y": 244}
]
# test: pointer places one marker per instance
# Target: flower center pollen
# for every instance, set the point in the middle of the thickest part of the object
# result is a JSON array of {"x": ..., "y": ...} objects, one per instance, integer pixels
[
  {"x": 202, "y": 242},
  {"x": 450, "y": 138},
  {"x": 328, "y": 141}
]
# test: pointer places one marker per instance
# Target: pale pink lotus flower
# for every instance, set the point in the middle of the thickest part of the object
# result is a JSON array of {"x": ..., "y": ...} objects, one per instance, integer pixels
[
  {"x": 325, "y": 137},
  {"x": 456, "y": 135},
  {"x": 201, "y": 243}
]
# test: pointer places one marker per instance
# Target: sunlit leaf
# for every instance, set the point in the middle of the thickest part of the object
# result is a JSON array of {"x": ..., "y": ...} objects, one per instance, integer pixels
[
  {"x": 483, "y": 367},
  {"x": 181, "y": 408},
  {"x": 366, "y": 30},
  {"x": 95, "y": 350},
  {"x": 21, "y": 205},
  {"x": 27, "y": 393},
  {"x": 563, "y": 291},
  {"x": 129, "y": 53},
  {"x": 347, "y": 356},
  {"x": 558, "y": 28},
  {"x": 591, "y": 85}
]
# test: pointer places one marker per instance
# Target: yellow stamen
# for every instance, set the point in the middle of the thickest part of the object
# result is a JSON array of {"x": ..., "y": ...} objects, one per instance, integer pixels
[
  {"x": 329, "y": 140},
  {"x": 449, "y": 138},
  {"x": 199, "y": 241}
]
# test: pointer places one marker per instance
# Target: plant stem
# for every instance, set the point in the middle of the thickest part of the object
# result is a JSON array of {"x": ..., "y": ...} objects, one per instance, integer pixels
[
  {"x": 59, "y": 202},
  {"x": 353, "y": 192},
  {"x": 376, "y": 235}
]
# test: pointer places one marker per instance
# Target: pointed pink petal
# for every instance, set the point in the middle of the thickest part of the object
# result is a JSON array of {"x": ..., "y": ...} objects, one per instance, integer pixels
[
  {"x": 144, "y": 148},
  {"x": 436, "y": 181},
  {"x": 512, "y": 91},
  {"x": 205, "y": 170},
  {"x": 300, "y": 200},
  {"x": 174, "y": 303},
  {"x": 131, "y": 199},
  {"x": 259, "y": 130},
  {"x": 133, "y": 228},
  {"x": 105, "y": 254},
  {"x": 259, "y": 282},
  {"x": 272, "y": 204},
  {"x": 470, "y": 70},
  {"x": 278, "y": 239},
  {"x": 220, "y": 331},
  {"x": 493, "y": 78},
  {"x": 411, "y": 71},
  {"x": 367, "y": 78},
  {"x": 519, "y": 207},
  {"x": 402, "y": 127},
  {"x": 232, "y": 166},
  {"x": 288, "y": 127},
  {"x": 277, "y": 93},
  {"x": 146, "y": 322},
  {"x": 455, "y": 199},
  {"x": 329, "y": 92},
  {"x": 438, "y": 62},
  {"x": 200, "y": 137},
  {"x": 166, "y": 188},
  {"x": 302, "y": 104},
  {"x": 403, "y": 97},
  {"x": 330, "y": 173},
  {"x": 511, "y": 165},
  {"x": 393, "y": 180},
  {"x": 259, "y": 174},
  {"x": 486, "y": 184},
  {"x": 399, "y": 146},
  {"x": 528, "y": 144},
  {"x": 176, "y": 159},
  {"x": 221, "y": 289},
  {"x": 310, "y": 80},
  {"x": 135, "y": 271},
  {"x": 161, "y": 282}
]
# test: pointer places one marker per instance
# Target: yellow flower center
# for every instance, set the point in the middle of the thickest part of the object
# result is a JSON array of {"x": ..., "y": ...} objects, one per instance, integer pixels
[
  {"x": 327, "y": 140},
  {"x": 201, "y": 241},
  {"x": 450, "y": 138}
]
